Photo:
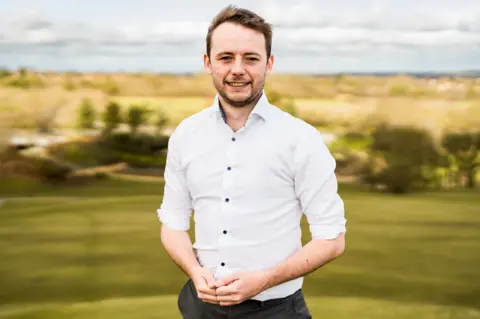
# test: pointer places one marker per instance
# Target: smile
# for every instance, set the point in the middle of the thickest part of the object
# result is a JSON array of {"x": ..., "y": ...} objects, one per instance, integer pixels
[{"x": 238, "y": 84}]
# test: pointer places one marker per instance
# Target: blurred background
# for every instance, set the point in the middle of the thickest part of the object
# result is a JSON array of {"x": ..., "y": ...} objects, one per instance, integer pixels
[{"x": 90, "y": 91}]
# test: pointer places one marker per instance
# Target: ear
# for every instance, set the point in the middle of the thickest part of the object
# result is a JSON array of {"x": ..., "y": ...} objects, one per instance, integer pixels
[
  {"x": 207, "y": 64},
  {"x": 270, "y": 61}
]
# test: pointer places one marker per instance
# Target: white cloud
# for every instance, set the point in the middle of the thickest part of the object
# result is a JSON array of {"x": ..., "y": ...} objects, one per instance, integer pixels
[
  {"x": 379, "y": 16},
  {"x": 32, "y": 33},
  {"x": 304, "y": 29}
]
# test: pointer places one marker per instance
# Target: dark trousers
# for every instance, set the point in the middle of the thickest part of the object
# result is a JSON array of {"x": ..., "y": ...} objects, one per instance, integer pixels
[{"x": 191, "y": 307}]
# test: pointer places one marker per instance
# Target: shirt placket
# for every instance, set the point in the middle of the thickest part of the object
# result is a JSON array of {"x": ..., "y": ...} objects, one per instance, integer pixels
[
  {"x": 226, "y": 236},
  {"x": 227, "y": 207}
]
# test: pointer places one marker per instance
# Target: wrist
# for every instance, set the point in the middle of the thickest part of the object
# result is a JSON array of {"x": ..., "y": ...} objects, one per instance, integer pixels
[
  {"x": 269, "y": 278},
  {"x": 193, "y": 270}
]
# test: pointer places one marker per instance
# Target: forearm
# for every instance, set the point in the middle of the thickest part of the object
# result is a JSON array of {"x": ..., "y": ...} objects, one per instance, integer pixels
[
  {"x": 312, "y": 256},
  {"x": 179, "y": 247}
]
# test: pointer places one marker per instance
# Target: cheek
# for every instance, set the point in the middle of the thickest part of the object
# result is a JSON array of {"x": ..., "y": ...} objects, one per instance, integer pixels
[
  {"x": 257, "y": 78},
  {"x": 218, "y": 72},
  {"x": 256, "y": 74}
]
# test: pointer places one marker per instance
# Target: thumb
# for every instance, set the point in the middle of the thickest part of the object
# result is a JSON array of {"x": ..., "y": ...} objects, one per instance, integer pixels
[
  {"x": 227, "y": 280},
  {"x": 209, "y": 280}
]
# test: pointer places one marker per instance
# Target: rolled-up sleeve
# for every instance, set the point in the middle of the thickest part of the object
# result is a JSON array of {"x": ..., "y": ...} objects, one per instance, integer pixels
[
  {"x": 316, "y": 188},
  {"x": 176, "y": 208}
]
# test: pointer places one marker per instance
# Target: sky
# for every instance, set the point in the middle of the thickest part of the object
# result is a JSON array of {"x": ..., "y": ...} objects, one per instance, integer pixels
[{"x": 311, "y": 36}]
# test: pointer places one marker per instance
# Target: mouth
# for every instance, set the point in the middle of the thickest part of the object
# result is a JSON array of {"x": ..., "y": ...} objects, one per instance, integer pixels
[{"x": 238, "y": 84}]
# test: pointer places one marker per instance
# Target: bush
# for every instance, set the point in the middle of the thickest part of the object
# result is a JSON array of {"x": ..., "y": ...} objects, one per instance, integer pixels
[
  {"x": 349, "y": 151},
  {"x": 410, "y": 156},
  {"x": 161, "y": 121},
  {"x": 80, "y": 153},
  {"x": 350, "y": 162},
  {"x": 13, "y": 164},
  {"x": 25, "y": 81},
  {"x": 52, "y": 172},
  {"x": 399, "y": 90},
  {"x": 110, "y": 87},
  {"x": 86, "y": 117},
  {"x": 101, "y": 175},
  {"x": 352, "y": 141},
  {"x": 69, "y": 85},
  {"x": 4, "y": 73},
  {"x": 137, "y": 116},
  {"x": 143, "y": 161},
  {"x": 111, "y": 117},
  {"x": 142, "y": 144},
  {"x": 464, "y": 151},
  {"x": 140, "y": 150}
]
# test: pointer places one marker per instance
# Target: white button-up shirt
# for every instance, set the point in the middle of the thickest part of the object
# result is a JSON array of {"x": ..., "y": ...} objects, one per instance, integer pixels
[{"x": 248, "y": 190}]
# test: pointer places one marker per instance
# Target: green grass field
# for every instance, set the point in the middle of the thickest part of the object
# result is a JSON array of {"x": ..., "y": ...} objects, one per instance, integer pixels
[{"x": 94, "y": 251}]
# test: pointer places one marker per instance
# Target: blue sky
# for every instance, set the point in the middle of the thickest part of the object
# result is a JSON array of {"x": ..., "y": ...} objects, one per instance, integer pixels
[{"x": 309, "y": 36}]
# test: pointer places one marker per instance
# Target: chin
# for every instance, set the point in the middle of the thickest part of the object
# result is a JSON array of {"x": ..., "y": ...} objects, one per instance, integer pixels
[{"x": 239, "y": 96}]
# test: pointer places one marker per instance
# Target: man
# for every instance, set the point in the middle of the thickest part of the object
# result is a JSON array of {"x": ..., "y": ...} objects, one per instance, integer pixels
[{"x": 248, "y": 170}]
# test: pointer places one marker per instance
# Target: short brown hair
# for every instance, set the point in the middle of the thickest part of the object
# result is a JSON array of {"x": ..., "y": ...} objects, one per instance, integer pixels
[{"x": 242, "y": 17}]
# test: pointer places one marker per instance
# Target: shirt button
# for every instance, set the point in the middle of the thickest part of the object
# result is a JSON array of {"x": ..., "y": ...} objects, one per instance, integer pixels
[
  {"x": 224, "y": 231},
  {"x": 233, "y": 139},
  {"x": 223, "y": 264},
  {"x": 227, "y": 200},
  {"x": 229, "y": 168}
]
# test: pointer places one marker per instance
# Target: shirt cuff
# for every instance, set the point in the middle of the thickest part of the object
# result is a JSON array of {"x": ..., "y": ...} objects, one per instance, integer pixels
[
  {"x": 173, "y": 220},
  {"x": 327, "y": 231}
]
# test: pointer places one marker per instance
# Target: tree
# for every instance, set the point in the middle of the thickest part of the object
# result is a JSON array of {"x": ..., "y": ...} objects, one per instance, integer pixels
[
  {"x": 111, "y": 117},
  {"x": 161, "y": 121},
  {"x": 464, "y": 148},
  {"x": 409, "y": 156},
  {"x": 4, "y": 73},
  {"x": 87, "y": 114},
  {"x": 23, "y": 72},
  {"x": 137, "y": 116}
]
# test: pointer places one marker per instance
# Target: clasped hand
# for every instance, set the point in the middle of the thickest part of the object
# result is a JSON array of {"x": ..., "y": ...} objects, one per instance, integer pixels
[{"x": 230, "y": 290}]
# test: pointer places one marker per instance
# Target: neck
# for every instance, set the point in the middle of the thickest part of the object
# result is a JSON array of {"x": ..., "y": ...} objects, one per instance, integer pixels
[{"x": 235, "y": 113}]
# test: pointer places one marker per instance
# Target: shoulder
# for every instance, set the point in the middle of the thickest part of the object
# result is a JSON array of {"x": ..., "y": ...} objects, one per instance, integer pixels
[
  {"x": 298, "y": 129},
  {"x": 303, "y": 139},
  {"x": 191, "y": 124}
]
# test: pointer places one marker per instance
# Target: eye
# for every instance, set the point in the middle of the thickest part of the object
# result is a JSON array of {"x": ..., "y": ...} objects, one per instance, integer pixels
[
  {"x": 252, "y": 59},
  {"x": 226, "y": 58}
]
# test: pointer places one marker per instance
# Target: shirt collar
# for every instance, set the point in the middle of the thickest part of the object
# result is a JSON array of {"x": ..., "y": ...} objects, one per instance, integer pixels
[{"x": 262, "y": 108}]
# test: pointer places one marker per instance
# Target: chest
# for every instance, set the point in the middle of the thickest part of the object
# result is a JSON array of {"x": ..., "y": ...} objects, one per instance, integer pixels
[{"x": 247, "y": 163}]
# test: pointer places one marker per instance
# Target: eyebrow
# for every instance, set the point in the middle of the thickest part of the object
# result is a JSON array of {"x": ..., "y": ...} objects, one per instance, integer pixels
[{"x": 232, "y": 53}]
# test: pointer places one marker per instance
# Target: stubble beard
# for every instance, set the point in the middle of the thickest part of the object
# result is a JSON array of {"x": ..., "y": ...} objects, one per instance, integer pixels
[{"x": 251, "y": 99}]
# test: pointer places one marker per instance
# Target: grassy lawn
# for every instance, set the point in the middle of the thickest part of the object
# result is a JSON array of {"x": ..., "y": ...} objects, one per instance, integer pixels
[{"x": 94, "y": 251}]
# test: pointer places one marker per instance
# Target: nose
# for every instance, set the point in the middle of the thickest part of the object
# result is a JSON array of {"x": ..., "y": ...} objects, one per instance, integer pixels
[{"x": 237, "y": 67}]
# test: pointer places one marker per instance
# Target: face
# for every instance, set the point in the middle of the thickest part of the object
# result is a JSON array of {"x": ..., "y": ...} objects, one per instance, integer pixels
[{"x": 238, "y": 64}]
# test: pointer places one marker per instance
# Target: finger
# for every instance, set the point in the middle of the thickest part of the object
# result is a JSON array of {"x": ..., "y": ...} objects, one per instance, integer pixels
[
  {"x": 227, "y": 280},
  {"x": 204, "y": 288},
  {"x": 226, "y": 291},
  {"x": 207, "y": 290},
  {"x": 229, "y": 298},
  {"x": 210, "y": 281},
  {"x": 209, "y": 298}
]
